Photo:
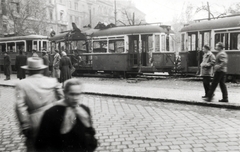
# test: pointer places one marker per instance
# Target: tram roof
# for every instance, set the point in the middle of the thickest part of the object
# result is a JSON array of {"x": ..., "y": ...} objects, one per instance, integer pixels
[
  {"x": 28, "y": 37},
  {"x": 228, "y": 22},
  {"x": 131, "y": 30},
  {"x": 66, "y": 37}
]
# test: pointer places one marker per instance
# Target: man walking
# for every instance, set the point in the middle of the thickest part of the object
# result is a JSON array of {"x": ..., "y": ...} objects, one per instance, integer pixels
[
  {"x": 220, "y": 69},
  {"x": 7, "y": 65},
  {"x": 21, "y": 60},
  {"x": 34, "y": 95}
]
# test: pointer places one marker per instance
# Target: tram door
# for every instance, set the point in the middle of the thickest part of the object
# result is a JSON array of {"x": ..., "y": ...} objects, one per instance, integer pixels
[
  {"x": 134, "y": 50},
  {"x": 145, "y": 51}
]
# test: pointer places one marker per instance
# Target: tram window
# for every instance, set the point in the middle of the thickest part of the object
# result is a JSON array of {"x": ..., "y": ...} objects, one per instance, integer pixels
[
  {"x": 222, "y": 37},
  {"x": 2, "y": 47},
  {"x": 157, "y": 43},
  {"x": 116, "y": 46},
  {"x": 192, "y": 42},
  {"x": 39, "y": 45},
  {"x": 45, "y": 45},
  {"x": 163, "y": 45},
  {"x": 182, "y": 42},
  {"x": 207, "y": 38},
  {"x": 238, "y": 46},
  {"x": 20, "y": 46},
  {"x": 150, "y": 43},
  {"x": 34, "y": 45},
  {"x": 11, "y": 47},
  {"x": 171, "y": 43},
  {"x": 79, "y": 45},
  {"x": 234, "y": 41},
  {"x": 100, "y": 46}
]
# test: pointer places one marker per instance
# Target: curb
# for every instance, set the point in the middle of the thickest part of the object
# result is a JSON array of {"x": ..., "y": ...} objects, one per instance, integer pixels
[{"x": 204, "y": 104}]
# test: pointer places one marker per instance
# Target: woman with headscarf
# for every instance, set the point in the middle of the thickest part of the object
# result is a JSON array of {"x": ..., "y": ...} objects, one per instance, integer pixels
[
  {"x": 67, "y": 126},
  {"x": 65, "y": 67}
]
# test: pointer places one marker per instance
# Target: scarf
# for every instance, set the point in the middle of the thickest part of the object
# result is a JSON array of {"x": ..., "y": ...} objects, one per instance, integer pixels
[{"x": 71, "y": 115}]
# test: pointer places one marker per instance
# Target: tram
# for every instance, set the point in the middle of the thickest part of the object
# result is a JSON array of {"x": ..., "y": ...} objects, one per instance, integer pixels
[
  {"x": 194, "y": 36},
  {"x": 13, "y": 44},
  {"x": 123, "y": 50}
]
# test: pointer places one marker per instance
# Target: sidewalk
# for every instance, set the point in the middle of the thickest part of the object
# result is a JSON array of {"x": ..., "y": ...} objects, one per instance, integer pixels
[{"x": 176, "y": 95}]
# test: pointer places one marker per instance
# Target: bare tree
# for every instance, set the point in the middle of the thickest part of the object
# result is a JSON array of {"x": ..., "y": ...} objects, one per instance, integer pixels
[
  {"x": 130, "y": 17},
  {"x": 26, "y": 16},
  {"x": 234, "y": 9}
]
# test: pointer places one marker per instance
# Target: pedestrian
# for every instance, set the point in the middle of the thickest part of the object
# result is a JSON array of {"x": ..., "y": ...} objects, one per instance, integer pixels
[
  {"x": 206, "y": 68},
  {"x": 34, "y": 95},
  {"x": 21, "y": 60},
  {"x": 65, "y": 67},
  {"x": 34, "y": 53},
  {"x": 56, "y": 62},
  {"x": 220, "y": 69},
  {"x": 67, "y": 126},
  {"x": 45, "y": 62},
  {"x": 7, "y": 66}
]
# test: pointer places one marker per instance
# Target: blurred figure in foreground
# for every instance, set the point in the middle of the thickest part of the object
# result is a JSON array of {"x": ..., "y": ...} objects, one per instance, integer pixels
[
  {"x": 34, "y": 95},
  {"x": 45, "y": 62},
  {"x": 67, "y": 126}
]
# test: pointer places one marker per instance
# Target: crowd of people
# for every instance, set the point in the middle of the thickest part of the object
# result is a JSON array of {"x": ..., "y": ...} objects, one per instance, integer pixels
[{"x": 51, "y": 116}]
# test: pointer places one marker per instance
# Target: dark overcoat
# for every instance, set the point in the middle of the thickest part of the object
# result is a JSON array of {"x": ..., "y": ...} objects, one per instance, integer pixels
[
  {"x": 65, "y": 67},
  {"x": 46, "y": 62},
  {"x": 50, "y": 139},
  {"x": 7, "y": 65},
  {"x": 21, "y": 60}
]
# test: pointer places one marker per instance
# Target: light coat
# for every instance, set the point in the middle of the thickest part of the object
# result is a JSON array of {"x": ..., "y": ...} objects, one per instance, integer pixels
[
  {"x": 207, "y": 64},
  {"x": 34, "y": 95},
  {"x": 56, "y": 62},
  {"x": 221, "y": 62}
]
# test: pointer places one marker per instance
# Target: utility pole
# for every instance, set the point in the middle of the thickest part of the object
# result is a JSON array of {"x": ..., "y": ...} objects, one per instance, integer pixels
[
  {"x": 115, "y": 11},
  {"x": 208, "y": 11},
  {"x": 133, "y": 18}
]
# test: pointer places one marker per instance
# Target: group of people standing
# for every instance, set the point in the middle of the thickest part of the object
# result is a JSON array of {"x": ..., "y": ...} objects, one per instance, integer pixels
[
  {"x": 51, "y": 118},
  {"x": 216, "y": 67},
  {"x": 60, "y": 68}
]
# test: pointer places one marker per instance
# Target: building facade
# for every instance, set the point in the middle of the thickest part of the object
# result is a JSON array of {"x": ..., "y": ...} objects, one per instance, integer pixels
[{"x": 58, "y": 15}]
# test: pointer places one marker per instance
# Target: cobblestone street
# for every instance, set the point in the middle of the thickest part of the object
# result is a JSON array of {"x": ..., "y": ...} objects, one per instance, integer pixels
[{"x": 136, "y": 125}]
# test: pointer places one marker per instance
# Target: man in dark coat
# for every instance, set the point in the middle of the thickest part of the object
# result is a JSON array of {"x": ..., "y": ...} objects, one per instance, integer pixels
[
  {"x": 21, "y": 60},
  {"x": 65, "y": 68},
  {"x": 45, "y": 62},
  {"x": 7, "y": 66}
]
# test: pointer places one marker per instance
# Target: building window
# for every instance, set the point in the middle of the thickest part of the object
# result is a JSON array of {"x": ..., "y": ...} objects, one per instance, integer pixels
[
  {"x": 50, "y": 14},
  {"x": 76, "y": 6},
  {"x": 70, "y": 4},
  {"x": 61, "y": 15}
]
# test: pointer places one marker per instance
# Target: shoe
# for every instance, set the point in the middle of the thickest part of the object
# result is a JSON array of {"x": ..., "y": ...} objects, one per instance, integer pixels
[
  {"x": 207, "y": 99},
  {"x": 204, "y": 96},
  {"x": 223, "y": 100}
]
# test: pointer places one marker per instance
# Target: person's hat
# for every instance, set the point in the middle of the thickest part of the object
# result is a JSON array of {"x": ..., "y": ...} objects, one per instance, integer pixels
[
  {"x": 34, "y": 63},
  {"x": 44, "y": 51},
  {"x": 63, "y": 53}
]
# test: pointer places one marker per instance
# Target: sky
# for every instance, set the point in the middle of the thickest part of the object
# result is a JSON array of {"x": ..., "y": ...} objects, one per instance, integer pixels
[{"x": 166, "y": 11}]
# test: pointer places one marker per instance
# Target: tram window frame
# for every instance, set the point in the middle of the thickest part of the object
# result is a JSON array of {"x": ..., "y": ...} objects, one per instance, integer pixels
[
  {"x": 157, "y": 44},
  {"x": 116, "y": 48},
  {"x": 11, "y": 48},
  {"x": 225, "y": 41},
  {"x": 234, "y": 42},
  {"x": 171, "y": 43},
  {"x": 192, "y": 41},
  {"x": 163, "y": 43},
  {"x": 3, "y": 47},
  {"x": 21, "y": 48},
  {"x": 183, "y": 42},
  {"x": 104, "y": 42}
]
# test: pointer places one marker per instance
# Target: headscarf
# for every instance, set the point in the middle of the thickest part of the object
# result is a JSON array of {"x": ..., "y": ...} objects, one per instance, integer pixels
[{"x": 70, "y": 116}]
